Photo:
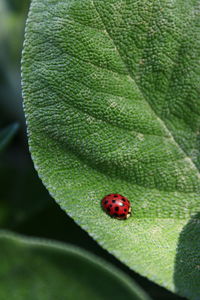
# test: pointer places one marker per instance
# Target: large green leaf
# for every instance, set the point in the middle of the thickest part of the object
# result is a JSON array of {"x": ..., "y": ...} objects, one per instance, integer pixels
[
  {"x": 32, "y": 269},
  {"x": 111, "y": 93}
]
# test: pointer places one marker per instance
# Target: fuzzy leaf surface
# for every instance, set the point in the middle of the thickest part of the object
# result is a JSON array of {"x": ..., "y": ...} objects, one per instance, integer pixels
[{"x": 111, "y": 93}]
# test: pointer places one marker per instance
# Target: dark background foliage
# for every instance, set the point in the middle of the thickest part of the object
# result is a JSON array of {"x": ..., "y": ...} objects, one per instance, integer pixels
[{"x": 25, "y": 205}]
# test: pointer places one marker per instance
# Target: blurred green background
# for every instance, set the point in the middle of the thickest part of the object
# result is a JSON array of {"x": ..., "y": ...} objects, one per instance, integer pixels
[{"x": 25, "y": 205}]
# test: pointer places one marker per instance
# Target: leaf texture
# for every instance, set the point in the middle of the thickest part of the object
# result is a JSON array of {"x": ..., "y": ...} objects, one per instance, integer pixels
[{"x": 111, "y": 93}]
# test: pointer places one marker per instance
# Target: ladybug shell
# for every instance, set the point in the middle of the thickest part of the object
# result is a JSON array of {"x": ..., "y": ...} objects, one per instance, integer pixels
[{"x": 117, "y": 206}]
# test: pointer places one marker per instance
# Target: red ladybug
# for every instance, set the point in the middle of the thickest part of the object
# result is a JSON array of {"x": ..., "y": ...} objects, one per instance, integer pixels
[{"x": 117, "y": 206}]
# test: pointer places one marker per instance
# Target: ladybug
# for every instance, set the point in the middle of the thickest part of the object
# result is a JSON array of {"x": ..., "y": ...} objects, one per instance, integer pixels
[{"x": 117, "y": 206}]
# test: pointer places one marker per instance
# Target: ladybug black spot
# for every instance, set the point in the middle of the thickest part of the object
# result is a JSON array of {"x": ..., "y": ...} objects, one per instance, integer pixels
[
  {"x": 113, "y": 201},
  {"x": 115, "y": 196},
  {"x": 106, "y": 202},
  {"x": 122, "y": 215},
  {"x": 108, "y": 209},
  {"x": 110, "y": 205},
  {"x": 125, "y": 209},
  {"x": 115, "y": 215},
  {"x": 117, "y": 208},
  {"x": 123, "y": 199}
]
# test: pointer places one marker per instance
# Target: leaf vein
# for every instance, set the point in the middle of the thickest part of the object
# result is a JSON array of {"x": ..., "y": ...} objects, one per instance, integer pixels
[{"x": 160, "y": 120}]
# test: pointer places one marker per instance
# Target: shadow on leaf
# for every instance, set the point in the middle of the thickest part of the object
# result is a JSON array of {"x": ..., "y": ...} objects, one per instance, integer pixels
[{"x": 187, "y": 263}]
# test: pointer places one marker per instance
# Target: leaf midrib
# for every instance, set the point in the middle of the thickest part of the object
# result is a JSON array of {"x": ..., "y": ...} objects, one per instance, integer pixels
[{"x": 161, "y": 121}]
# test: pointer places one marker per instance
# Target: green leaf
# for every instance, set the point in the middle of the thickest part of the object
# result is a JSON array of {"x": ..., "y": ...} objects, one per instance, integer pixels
[
  {"x": 7, "y": 134},
  {"x": 111, "y": 93},
  {"x": 33, "y": 269}
]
